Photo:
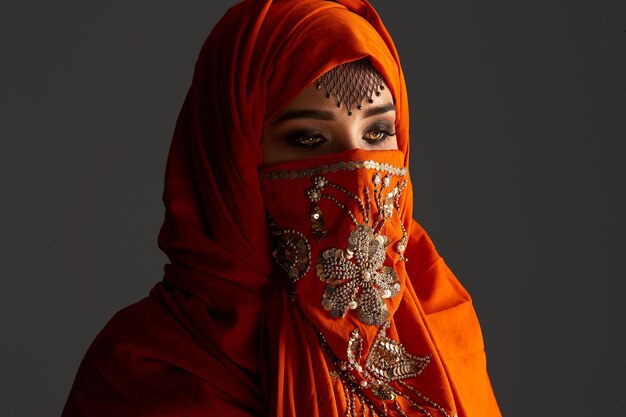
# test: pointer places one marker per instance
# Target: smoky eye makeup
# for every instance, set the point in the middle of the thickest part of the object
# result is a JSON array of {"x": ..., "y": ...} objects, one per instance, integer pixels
[
  {"x": 378, "y": 133},
  {"x": 306, "y": 138}
]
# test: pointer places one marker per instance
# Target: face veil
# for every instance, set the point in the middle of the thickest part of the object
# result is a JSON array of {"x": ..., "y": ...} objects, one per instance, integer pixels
[
  {"x": 339, "y": 224},
  {"x": 243, "y": 323}
]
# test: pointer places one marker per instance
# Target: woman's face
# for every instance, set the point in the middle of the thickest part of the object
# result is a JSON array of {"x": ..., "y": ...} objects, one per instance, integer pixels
[{"x": 312, "y": 125}]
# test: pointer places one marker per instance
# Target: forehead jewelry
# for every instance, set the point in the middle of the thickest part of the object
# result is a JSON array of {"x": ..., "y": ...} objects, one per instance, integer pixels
[{"x": 351, "y": 83}]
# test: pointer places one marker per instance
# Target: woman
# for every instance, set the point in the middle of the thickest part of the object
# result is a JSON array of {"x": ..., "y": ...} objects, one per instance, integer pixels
[{"x": 298, "y": 283}]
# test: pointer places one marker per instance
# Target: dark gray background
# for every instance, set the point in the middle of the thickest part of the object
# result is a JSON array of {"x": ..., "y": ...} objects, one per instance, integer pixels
[{"x": 518, "y": 114}]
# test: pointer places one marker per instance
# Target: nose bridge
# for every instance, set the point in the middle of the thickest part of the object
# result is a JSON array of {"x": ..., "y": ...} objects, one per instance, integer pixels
[{"x": 347, "y": 138}]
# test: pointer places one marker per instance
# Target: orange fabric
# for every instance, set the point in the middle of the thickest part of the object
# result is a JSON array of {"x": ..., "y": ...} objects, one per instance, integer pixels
[
  {"x": 219, "y": 335},
  {"x": 288, "y": 206}
]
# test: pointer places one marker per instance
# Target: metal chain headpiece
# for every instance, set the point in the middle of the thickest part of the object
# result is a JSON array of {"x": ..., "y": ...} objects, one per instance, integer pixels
[{"x": 351, "y": 83}]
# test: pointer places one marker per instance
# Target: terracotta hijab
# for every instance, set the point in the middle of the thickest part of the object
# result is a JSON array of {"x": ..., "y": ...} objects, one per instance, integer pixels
[{"x": 219, "y": 336}]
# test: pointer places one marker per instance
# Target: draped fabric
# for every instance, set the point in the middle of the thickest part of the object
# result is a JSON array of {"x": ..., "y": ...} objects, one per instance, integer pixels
[{"x": 220, "y": 334}]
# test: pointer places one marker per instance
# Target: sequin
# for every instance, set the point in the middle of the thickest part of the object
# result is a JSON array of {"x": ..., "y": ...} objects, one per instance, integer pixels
[
  {"x": 356, "y": 277},
  {"x": 387, "y": 363},
  {"x": 334, "y": 167},
  {"x": 292, "y": 253}
]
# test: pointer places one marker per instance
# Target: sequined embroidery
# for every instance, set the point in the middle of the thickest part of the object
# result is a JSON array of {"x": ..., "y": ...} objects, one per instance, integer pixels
[
  {"x": 334, "y": 167},
  {"x": 386, "y": 364},
  {"x": 355, "y": 275},
  {"x": 292, "y": 253},
  {"x": 389, "y": 361},
  {"x": 356, "y": 278}
]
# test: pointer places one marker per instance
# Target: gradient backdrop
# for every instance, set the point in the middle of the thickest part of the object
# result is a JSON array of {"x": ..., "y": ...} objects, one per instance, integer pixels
[{"x": 518, "y": 118}]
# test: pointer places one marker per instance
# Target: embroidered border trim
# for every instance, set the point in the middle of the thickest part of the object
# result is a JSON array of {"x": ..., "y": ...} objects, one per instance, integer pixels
[{"x": 334, "y": 167}]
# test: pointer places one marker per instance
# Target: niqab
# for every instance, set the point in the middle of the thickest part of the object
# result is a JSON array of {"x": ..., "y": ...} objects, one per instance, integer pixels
[{"x": 221, "y": 334}]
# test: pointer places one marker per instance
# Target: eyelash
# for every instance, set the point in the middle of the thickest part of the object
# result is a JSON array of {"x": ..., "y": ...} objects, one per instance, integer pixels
[
  {"x": 315, "y": 138},
  {"x": 384, "y": 132}
]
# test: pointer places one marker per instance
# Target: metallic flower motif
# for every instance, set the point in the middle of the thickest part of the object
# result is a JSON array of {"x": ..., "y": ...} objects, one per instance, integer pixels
[{"x": 356, "y": 278}]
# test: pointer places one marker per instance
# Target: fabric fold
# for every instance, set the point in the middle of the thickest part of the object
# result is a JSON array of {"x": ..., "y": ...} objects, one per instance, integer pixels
[{"x": 224, "y": 333}]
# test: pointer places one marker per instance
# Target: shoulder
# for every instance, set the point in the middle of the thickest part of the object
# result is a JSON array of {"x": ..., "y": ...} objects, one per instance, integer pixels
[{"x": 145, "y": 361}]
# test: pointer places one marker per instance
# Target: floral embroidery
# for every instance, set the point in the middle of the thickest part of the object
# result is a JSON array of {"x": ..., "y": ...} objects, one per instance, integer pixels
[
  {"x": 387, "y": 363},
  {"x": 356, "y": 278}
]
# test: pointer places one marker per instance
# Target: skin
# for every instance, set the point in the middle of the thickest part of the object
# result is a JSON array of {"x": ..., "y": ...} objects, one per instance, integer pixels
[{"x": 312, "y": 125}]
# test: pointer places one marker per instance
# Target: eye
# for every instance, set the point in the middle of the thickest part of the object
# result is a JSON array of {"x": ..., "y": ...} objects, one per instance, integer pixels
[
  {"x": 377, "y": 134},
  {"x": 307, "y": 139}
]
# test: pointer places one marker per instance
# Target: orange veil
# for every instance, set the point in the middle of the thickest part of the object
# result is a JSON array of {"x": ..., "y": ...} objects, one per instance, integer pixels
[{"x": 217, "y": 336}]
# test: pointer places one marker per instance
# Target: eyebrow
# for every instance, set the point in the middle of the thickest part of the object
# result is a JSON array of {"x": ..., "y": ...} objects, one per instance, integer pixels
[
  {"x": 373, "y": 111},
  {"x": 305, "y": 114},
  {"x": 327, "y": 115}
]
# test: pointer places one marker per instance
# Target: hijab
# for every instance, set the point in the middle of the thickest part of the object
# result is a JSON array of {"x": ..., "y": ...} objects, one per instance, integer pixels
[{"x": 221, "y": 333}]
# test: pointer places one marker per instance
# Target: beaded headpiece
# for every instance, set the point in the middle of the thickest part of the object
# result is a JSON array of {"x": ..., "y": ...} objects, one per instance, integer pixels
[{"x": 352, "y": 82}]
